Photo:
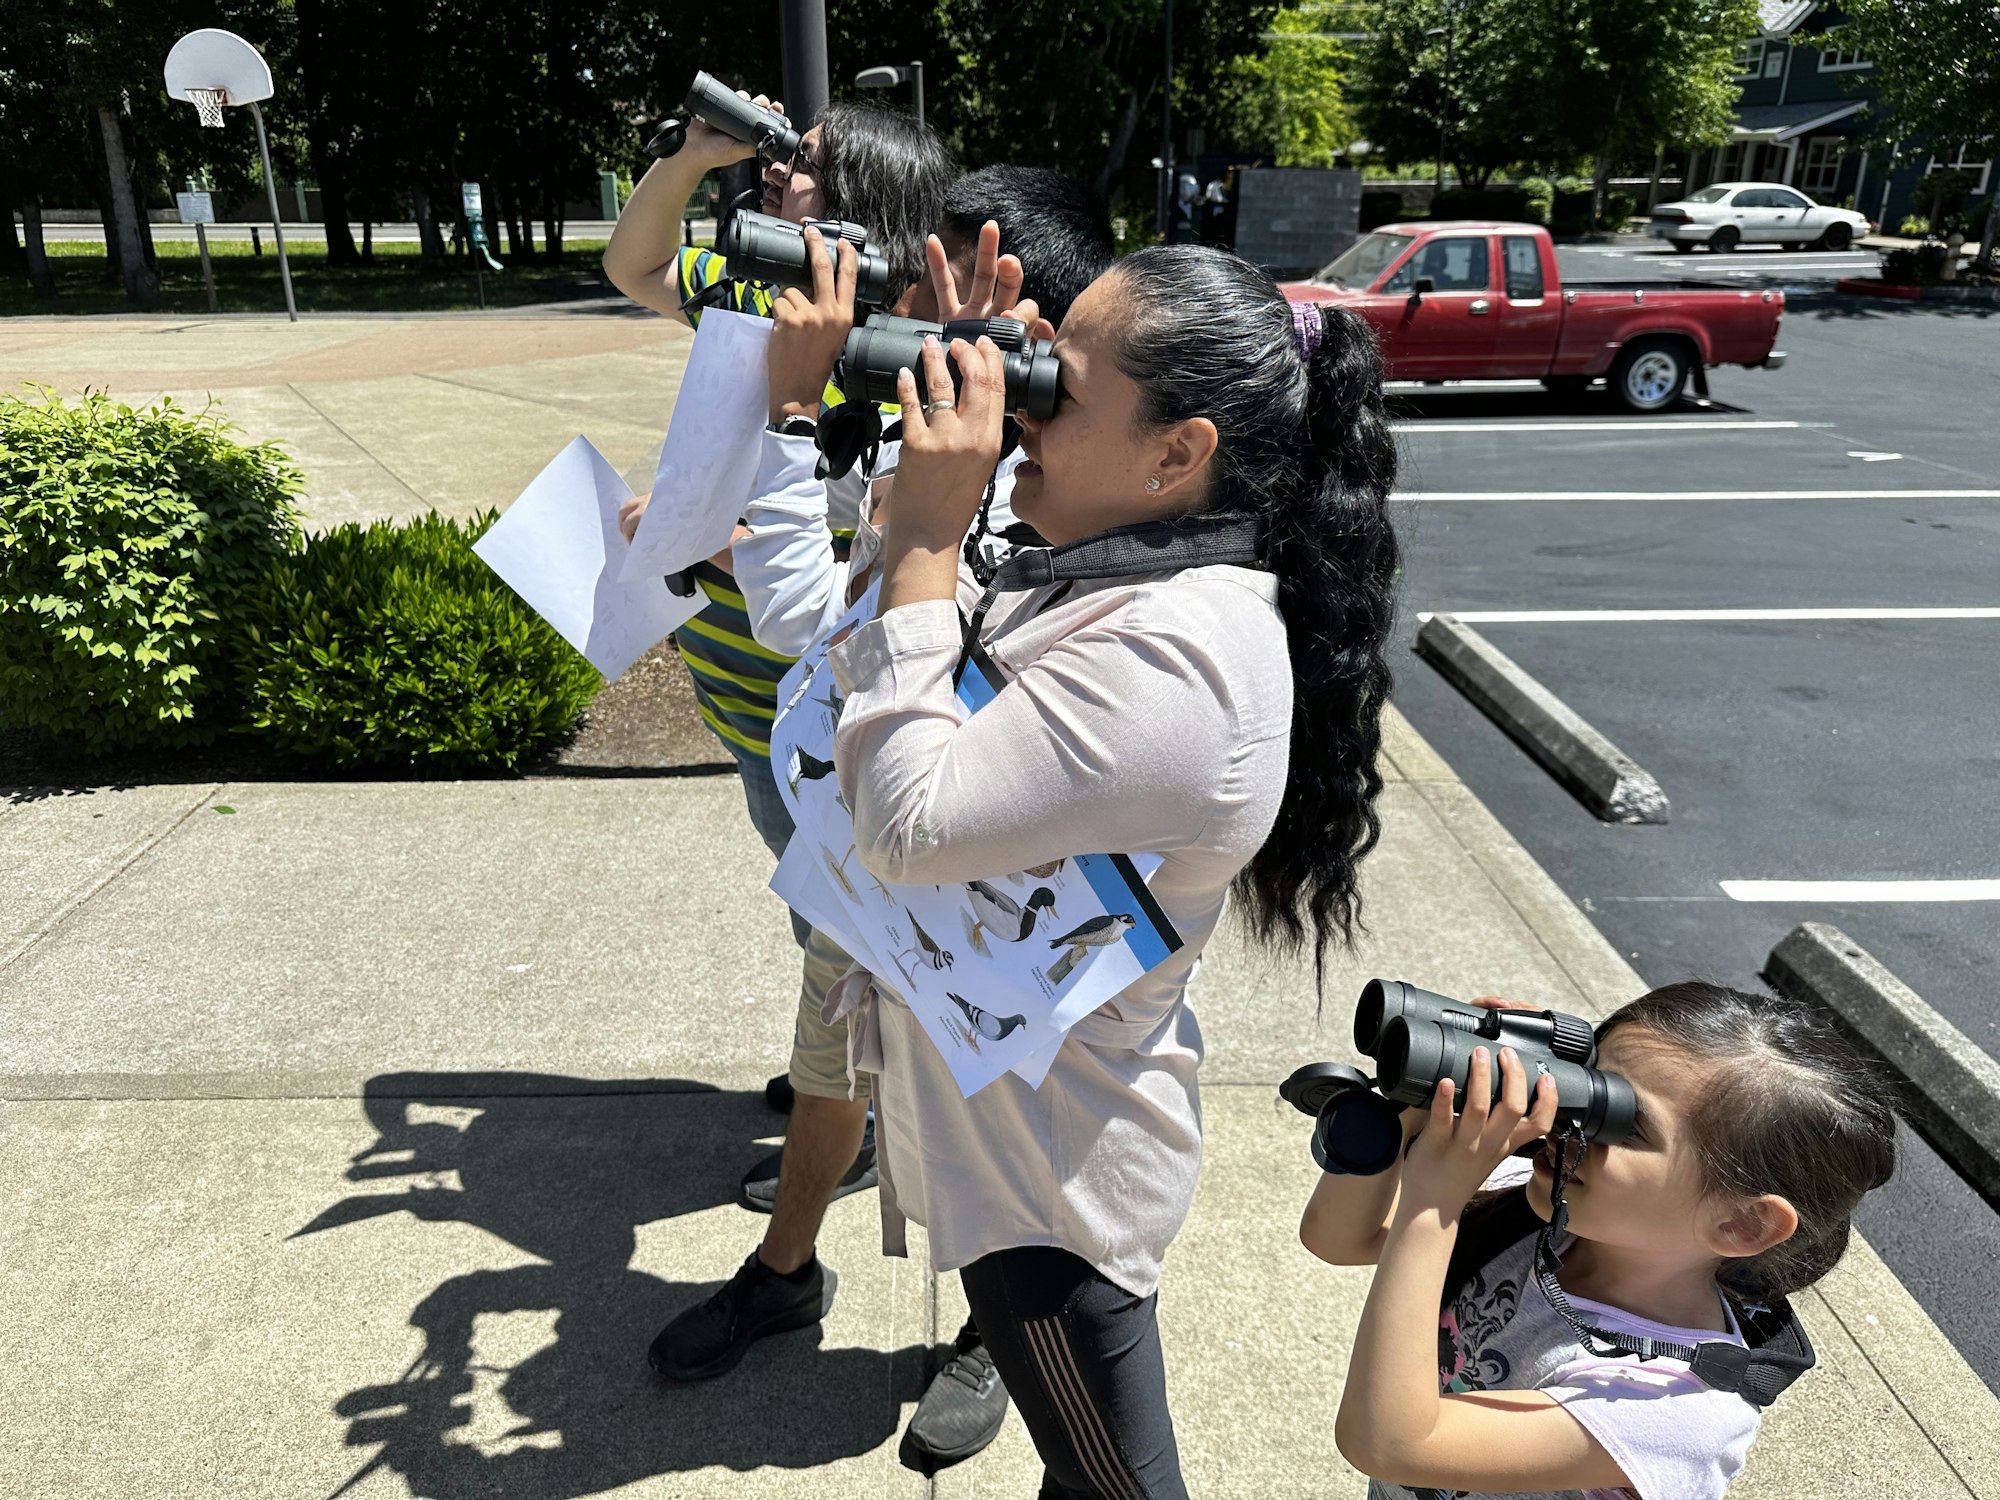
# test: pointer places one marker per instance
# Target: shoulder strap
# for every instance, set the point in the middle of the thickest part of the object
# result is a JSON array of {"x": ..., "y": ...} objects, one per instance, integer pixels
[{"x": 1490, "y": 1224}]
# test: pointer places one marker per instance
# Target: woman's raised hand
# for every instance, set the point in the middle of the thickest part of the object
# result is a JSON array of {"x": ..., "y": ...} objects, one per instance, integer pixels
[
  {"x": 810, "y": 331},
  {"x": 995, "y": 290},
  {"x": 707, "y": 144},
  {"x": 950, "y": 443}
]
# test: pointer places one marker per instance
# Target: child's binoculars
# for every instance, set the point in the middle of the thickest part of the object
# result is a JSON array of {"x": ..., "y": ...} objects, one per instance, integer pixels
[
  {"x": 770, "y": 132},
  {"x": 1418, "y": 1039}
]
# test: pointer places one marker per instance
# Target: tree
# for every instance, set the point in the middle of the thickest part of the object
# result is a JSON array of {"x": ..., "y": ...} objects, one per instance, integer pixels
[
  {"x": 1287, "y": 101},
  {"x": 1937, "y": 73}
]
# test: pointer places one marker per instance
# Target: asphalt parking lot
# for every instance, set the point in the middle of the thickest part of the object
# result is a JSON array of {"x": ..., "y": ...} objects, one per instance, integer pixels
[
  {"x": 1635, "y": 257},
  {"x": 1810, "y": 747}
]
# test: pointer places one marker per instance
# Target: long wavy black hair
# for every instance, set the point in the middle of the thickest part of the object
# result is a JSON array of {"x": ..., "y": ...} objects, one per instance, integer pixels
[
  {"x": 888, "y": 173},
  {"x": 1305, "y": 443}
]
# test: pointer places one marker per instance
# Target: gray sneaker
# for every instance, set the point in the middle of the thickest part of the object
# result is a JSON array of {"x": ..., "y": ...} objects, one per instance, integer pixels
[
  {"x": 962, "y": 1411},
  {"x": 713, "y": 1336}
]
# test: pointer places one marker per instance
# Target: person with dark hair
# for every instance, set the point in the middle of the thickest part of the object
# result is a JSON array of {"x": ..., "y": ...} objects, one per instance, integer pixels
[
  {"x": 1050, "y": 221},
  {"x": 1223, "y": 715},
  {"x": 889, "y": 172},
  {"x": 1760, "y": 1130}
]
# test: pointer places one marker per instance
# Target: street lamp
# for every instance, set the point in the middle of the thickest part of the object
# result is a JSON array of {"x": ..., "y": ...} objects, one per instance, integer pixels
[
  {"x": 889, "y": 76},
  {"x": 1444, "y": 100}
]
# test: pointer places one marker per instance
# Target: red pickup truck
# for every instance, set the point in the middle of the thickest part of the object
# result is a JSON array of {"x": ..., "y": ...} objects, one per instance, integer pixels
[{"x": 1472, "y": 300}]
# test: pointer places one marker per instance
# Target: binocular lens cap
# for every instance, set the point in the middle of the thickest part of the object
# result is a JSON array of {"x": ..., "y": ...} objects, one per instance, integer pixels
[{"x": 1360, "y": 1134}]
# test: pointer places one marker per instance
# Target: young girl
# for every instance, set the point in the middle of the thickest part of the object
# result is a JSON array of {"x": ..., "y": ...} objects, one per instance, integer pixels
[{"x": 1758, "y": 1132}]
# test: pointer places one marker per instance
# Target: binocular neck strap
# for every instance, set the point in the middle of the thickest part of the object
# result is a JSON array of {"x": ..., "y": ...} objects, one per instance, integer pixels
[
  {"x": 1213, "y": 537},
  {"x": 1758, "y": 1375}
]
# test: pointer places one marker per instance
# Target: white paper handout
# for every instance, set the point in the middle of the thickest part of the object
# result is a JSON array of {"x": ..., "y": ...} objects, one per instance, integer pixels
[
  {"x": 559, "y": 547},
  {"x": 709, "y": 460},
  {"x": 996, "y": 971}
]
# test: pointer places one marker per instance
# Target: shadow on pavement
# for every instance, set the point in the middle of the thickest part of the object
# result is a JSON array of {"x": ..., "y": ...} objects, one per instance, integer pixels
[
  {"x": 1475, "y": 403},
  {"x": 533, "y": 1379},
  {"x": 1828, "y": 306}
]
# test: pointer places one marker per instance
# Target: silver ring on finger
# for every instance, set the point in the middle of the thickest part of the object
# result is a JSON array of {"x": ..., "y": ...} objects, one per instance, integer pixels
[{"x": 931, "y": 408}]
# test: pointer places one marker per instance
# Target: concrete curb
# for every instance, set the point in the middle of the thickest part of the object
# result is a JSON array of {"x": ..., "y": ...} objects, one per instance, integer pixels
[
  {"x": 1604, "y": 778},
  {"x": 1953, "y": 1087},
  {"x": 1861, "y": 286}
]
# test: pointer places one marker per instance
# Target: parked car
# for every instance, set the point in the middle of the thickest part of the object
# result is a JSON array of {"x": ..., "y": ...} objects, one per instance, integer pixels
[
  {"x": 1470, "y": 299},
  {"x": 1727, "y": 214}
]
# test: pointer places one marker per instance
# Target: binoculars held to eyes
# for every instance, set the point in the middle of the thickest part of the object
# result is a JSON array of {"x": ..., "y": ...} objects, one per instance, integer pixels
[
  {"x": 770, "y": 132},
  {"x": 885, "y": 344},
  {"x": 1418, "y": 1039},
  {"x": 758, "y": 247}
]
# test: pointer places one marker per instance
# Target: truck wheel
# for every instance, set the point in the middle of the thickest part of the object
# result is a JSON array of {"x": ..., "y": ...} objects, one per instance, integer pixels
[
  {"x": 1650, "y": 375},
  {"x": 1724, "y": 239},
  {"x": 1837, "y": 237}
]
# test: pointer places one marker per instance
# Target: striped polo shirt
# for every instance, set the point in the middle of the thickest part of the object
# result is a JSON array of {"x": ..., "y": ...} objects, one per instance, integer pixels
[{"x": 735, "y": 679}]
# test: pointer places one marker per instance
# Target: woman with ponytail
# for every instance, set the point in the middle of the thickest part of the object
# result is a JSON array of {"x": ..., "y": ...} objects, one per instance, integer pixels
[{"x": 1222, "y": 715}]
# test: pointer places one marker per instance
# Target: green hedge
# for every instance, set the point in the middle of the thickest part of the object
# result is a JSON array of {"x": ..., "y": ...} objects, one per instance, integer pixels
[
  {"x": 130, "y": 543},
  {"x": 394, "y": 648},
  {"x": 1512, "y": 203}
]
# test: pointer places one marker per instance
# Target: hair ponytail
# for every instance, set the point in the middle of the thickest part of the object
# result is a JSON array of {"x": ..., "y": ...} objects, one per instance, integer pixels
[{"x": 1304, "y": 442}]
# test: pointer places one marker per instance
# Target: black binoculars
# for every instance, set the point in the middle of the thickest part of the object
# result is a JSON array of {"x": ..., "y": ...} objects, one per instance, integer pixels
[
  {"x": 770, "y": 132},
  {"x": 1417, "y": 1039},
  {"x": 885, "y": 344},
  {"x": 758, "y": 247}
]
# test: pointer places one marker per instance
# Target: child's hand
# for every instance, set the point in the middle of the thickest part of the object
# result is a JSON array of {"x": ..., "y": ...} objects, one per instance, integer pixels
[
  {"x": 996, "y": 281},
  {"x": 1453, "y": 1156},
  {"x": 629, "y": 512}
]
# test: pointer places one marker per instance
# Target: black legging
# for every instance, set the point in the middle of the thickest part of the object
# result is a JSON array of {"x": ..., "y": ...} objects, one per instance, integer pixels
[{"x": 1081, "y": 1359}]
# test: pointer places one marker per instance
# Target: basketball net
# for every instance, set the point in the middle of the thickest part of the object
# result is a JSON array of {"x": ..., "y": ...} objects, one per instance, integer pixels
[{"x": 208, "y": 104}]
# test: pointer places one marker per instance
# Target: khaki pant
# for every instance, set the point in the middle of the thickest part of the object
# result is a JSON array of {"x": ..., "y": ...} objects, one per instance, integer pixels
[{"x": 819, "y": 1051}]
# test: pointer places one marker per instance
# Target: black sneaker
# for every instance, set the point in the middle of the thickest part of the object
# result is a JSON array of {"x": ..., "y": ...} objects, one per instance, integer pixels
[
  {"x": 779, "y": 1094},
  {"x": 712, "y": 1336},
  {"x": 962, "y": 1411},
  {"x": 759, "y": 1191}
]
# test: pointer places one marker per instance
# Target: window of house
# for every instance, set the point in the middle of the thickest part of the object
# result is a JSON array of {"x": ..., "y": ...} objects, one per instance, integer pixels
[
  {"x": 1838, "y": 58},
  {"x": 1453, "y": 265},
  {"x": 1967, "y": 160},
  {"x": 1729, "y": 161},
  {"x": 1774, "y": 61},
  {"x": 1523, "y": 258},
  {"x": 1750, "y": 58},
  {"x": 1822, "y": 165}
]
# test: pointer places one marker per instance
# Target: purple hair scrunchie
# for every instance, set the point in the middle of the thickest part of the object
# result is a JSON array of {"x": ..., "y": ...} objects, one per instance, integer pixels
[{"x": 1307, "y": 328}]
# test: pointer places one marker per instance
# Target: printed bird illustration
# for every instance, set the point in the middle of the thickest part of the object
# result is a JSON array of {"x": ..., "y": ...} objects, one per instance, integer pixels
[
  {"x": 1009, "y": 920},
  {"x": 834, "y": 703},
  {"x": 929, "y": 951},
  {"x": 993, "y": 1028},
  {"x": 805, "y": 767},
  {"x": 837, "y": 868},
  {"x": 1043, "y": 872},
  {"x": 1098, "y": 932}
]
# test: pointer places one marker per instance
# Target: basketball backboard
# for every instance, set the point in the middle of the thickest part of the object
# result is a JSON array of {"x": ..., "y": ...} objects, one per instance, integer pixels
[{"x": 215, "y": 59}]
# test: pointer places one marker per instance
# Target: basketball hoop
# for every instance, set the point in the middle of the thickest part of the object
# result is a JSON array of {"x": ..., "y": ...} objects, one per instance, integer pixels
[{"x": 208, "y": 104}]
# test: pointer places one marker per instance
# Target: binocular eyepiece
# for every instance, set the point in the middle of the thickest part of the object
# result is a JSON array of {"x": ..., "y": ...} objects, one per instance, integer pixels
[
  {"x": 770, "y": 132},
  {"x": 886, "y": 344},
  {"x": 1418, "y": 1039},
  {"x": 758, "y": 247}
]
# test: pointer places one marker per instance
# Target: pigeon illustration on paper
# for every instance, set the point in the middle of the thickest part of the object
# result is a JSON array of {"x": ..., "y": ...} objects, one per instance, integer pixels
[
  {"x": 993, "y": 1028},
  {"x": 1098, "y": 932},
  {"x": 806, "y": 767}
]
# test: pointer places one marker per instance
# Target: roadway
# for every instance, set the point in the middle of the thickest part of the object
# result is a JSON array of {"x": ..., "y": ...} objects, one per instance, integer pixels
[{"x": 1809, "y": 748}]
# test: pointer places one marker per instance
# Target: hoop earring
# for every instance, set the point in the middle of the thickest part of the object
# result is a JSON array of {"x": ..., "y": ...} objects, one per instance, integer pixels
[{"x": 1152, "y": 483}]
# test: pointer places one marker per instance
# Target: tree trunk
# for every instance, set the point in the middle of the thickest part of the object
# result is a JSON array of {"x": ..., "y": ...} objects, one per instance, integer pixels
[
  {"x": 1986, "y": 237},
  {"x": 551, "y": 223},
  {"x": 12, "y": 259},
  {"x": 1600, "y": 183},
  {"x": 1121, "y": 138},
  {"x": 428, "y": 234},
  {"x": 142, "y": 282},
  {"x": 332, "y": 174},
  {"x": 37, "y": 253},
  {"x": 367, "y": 241},
  {"x": 1653, "y": 187}
]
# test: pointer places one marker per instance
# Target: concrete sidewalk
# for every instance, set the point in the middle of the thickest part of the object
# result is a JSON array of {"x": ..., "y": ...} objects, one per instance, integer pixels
[{"x": 357, "y": 1140}]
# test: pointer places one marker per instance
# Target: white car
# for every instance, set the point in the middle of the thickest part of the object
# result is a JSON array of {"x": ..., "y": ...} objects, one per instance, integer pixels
[{"x": 1727, "y": 214}]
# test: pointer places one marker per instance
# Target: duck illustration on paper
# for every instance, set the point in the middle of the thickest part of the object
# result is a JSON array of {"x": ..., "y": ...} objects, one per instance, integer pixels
[
  {"x": 1098, "y": 932},
  {"x": 930, "y": 953},
  {"x": 1043, "y": 872},
  {"x": 1009, "y": 920},
  {"x": 805, "y": 767},
  {"x": 993, "y": 1028}
]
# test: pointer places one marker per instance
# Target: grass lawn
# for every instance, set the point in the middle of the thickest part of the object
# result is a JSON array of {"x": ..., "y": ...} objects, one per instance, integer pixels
[{"x": 244, "y": 282}]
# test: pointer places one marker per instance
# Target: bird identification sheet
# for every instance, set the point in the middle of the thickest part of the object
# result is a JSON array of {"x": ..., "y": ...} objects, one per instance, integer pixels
[{"x": 995, "y": 970}]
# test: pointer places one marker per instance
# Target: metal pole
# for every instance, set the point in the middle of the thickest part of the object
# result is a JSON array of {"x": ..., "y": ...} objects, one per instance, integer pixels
[
  {"x": 1444, "y": 103},
  {"x": 802, "y": 45},
  {"x": 271, "y": 189},
  {"x": 207, "y": 271},
  {"x": 917, "y": 89},
  {"x": 1167, "y": 134}
]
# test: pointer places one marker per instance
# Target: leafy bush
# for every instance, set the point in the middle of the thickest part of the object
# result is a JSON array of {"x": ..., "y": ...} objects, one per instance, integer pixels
[
  {"x": 1539, "y": 194},
  {"x": 1618, "y": 210},
  {"x": 1481, "y": 203},
  {"x": 130, "y": 544},
  {"x": 1899, "y": 267},
  {"x": 1570, "y": 209},
  {"x": 1914, "y": 226},
  {"x": 395, "y": 648},
  {"x": 1380, "y": 207}
]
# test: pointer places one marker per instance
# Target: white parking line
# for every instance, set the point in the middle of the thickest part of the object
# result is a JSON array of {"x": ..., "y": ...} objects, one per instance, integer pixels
[
  {"x": 1861, "y": 890},
  {"x": 1649, "y": 424},
  {"x": 1653, "y": 616},
  {"x": 1698, "y": 494}
]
